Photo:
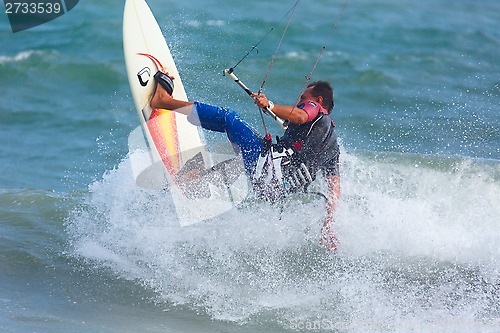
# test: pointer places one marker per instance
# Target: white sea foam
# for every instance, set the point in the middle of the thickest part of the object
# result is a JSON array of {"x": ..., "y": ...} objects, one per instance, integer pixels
[
  {"x": 21, "y": 56},
  {"x": 418, "y": 248}
]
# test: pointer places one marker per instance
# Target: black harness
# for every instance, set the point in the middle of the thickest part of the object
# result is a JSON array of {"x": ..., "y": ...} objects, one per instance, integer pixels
[{"x": 292, "y": 163}]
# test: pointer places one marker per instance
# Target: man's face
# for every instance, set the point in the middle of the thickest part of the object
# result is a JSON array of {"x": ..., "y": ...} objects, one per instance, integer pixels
[{"x": 307, "y": 95}]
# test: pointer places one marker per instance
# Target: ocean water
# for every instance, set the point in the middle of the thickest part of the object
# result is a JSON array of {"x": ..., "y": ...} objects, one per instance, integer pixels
[{"x": 82, "y": 249}]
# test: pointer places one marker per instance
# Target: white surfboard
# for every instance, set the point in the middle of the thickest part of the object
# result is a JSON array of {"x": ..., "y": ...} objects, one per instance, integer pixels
[
  {"x": 146, "y": 52},
  {"x": 171, "y": 140}
]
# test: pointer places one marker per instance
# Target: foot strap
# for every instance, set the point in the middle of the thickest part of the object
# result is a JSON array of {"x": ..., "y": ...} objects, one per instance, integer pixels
[{"x": 166, "y": 82}]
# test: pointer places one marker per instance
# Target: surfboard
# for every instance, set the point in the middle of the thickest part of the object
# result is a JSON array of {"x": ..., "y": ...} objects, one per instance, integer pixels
[
  {"x": 171, "y": 143},
  {"x": 146, "y": 52}
]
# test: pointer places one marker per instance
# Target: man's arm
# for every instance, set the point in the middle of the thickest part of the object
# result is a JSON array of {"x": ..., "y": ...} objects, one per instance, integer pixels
[
  {"x": 290, "y": 113},
  {"x": 333, "y": 195},
  {"x": 328, "y": 237}
]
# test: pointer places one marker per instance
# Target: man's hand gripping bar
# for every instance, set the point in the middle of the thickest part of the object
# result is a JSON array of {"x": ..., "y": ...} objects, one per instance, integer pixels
[{"x": 230, "y": 73}]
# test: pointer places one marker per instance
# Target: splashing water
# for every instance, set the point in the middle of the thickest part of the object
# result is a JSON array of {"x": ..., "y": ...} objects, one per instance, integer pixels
[{"x": 418, "y": 247}]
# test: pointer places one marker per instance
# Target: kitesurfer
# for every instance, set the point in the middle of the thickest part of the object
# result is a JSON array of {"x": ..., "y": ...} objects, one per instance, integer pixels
[{"x": 308, "y": 146}]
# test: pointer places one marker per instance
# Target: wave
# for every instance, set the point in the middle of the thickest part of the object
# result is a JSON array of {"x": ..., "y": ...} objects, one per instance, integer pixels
[
  {"x": 442, "y": 207},
  {"x": 31, "y": 229},
  {"x": 418, "y": 237},
  {"x": 20, "y": 57}
]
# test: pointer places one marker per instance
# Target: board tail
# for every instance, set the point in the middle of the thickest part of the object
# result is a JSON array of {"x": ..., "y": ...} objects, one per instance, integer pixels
[{"x": 209, "y": 184}]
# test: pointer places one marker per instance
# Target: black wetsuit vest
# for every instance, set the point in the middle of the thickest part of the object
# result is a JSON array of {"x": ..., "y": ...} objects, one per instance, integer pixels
[
  {"x": 315, "y": 144},
  {"x": 305, "y": 149}
]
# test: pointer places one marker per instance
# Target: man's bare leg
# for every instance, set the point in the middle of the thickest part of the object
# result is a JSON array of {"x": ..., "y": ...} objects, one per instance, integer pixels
[{"x": 163, "y": 100}]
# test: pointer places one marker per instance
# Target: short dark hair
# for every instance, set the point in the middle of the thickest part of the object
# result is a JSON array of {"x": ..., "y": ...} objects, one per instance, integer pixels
[{"x": 325, "y": 90}]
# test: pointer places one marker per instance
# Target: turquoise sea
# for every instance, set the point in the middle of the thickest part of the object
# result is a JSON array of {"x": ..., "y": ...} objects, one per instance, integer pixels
[{"x": 417, "y": 84}]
